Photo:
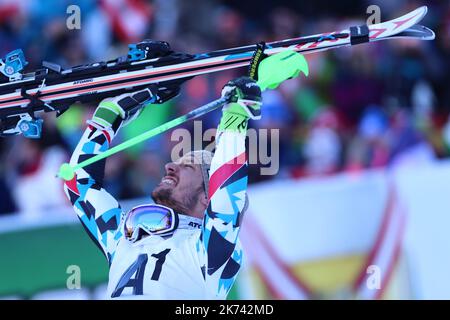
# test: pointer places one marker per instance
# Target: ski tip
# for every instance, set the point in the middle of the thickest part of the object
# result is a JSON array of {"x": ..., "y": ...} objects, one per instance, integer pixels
[
  {"x": 424, "y": 9},
  {"x": 414, "y": 16},
  {"x": 401, "y": 26},
  {"x": 421, "y": 11},
  {"x": 432, "y": 36},
  {"x": 428, "y": 34},
  {"x": 417, "y": 32}
]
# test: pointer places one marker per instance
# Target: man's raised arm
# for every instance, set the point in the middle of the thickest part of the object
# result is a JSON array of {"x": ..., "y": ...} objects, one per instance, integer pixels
[
  {"x": 98, "y": 211},
  {"x": 228, "y": 187}
]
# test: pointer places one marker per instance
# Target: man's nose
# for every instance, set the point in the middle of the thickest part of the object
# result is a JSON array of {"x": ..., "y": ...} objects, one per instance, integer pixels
[{"x": 171, "y": 167}]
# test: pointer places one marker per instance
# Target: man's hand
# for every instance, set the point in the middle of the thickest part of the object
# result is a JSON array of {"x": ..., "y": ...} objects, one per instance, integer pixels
[
  {"x": 245, "y": 103},
  {"x": 112, "y": 112},
  {"x": 245, "y": 98}
]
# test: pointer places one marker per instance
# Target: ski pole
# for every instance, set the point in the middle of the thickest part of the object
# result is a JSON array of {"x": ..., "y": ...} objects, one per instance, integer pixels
[
  {"x": 66, "y": 171},
  {"x": 272, "y": 71}
]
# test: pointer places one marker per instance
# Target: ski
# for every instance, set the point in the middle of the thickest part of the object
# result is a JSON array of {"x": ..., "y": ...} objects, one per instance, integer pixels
[{"x": 53, "y": 89}]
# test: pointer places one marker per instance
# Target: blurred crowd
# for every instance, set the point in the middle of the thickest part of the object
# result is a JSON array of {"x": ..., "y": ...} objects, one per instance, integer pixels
[{"x": 360, "y": 108}]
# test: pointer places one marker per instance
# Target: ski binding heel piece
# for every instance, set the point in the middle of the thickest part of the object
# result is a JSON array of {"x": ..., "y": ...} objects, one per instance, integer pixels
[
  {"x": 30, "y": 128},
  {"x": 13, "y": 63}
]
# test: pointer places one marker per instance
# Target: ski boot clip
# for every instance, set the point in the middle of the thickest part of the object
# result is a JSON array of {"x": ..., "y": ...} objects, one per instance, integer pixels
[{"x": 13, "y": 63}]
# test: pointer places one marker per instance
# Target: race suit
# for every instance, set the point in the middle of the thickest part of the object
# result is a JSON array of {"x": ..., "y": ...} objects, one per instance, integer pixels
[{"x": 196, "y": 263}]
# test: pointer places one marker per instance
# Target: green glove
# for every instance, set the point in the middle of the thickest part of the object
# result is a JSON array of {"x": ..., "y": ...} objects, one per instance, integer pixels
[
  {"x": 112, "y": 112},
  {"x": 123, "y": 109},
  {"x": 245, "y": 104}
]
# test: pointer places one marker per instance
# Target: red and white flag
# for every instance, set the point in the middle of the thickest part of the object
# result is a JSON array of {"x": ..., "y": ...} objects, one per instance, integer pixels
[{"x": 130, "y": 19}]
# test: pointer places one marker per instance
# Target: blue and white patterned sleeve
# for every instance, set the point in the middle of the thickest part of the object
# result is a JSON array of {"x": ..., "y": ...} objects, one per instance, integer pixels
[
  {"x": 227, "y": 201},
  {"x": 97, "y": 210}
]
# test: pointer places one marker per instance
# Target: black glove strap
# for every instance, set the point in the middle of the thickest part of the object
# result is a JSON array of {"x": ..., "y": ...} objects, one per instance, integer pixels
[{"x": 134, "y": 101}]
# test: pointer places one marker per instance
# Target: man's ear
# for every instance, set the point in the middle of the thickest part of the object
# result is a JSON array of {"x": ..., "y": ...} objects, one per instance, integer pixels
[{"x": 204, "y": 199}]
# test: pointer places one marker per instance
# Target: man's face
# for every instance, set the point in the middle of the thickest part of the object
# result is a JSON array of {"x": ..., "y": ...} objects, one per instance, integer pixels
[{"x": 182, "y": 186}]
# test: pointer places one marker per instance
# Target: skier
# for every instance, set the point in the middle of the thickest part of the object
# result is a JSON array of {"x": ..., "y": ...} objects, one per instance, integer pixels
[{"x": 184, "y": 245}]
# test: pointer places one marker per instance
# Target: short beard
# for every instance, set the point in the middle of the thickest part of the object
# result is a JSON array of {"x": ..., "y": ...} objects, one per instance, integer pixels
[{"x": 165, "y": 198}]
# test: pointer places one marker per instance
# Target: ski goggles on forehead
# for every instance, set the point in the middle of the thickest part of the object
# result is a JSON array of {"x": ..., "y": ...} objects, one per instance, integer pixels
[{"x": 149, "y": 219}]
